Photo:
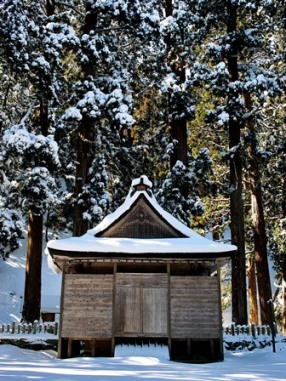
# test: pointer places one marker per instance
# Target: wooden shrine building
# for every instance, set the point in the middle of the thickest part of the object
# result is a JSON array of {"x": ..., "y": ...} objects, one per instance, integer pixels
[{"x": 141, "y": 275}]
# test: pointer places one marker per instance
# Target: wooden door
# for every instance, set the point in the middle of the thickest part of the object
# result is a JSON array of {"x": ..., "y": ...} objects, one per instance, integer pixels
[
  {"x": 128, "y": 314},
  {"x": 141, "y": 306},
  {"x": 154, "y": 311}
]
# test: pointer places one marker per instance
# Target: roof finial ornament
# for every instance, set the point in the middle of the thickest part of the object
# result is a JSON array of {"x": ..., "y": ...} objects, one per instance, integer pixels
[{"x": 141, "y": 184}]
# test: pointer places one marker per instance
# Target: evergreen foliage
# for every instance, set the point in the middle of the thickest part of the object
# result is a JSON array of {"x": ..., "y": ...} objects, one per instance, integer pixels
[{"x": 96, "y": 93}]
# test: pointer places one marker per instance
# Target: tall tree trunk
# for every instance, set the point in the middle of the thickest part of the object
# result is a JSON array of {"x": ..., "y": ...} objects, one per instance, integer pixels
[
  {"x": 258, "y": 222},
  {"x": 84, "y": 159},
  {"x": 284, "y": 302},
  {"x": 178, "y": 124},
  {"x": 32, "y": 295},
  {"x": 85, "y": 138},
  {"x": 33, "y": 280},
  {"x": 239, "y": 300},
  {"x": 252, "y": 292},
  {"x": 260, "y": 248}
]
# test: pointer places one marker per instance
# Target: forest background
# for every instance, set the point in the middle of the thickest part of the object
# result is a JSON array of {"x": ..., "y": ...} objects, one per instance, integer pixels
[{"x": 94, "y": 93}]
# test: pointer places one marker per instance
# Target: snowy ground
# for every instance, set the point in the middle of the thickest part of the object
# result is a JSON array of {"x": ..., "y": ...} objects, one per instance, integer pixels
[
  {"x": 259, "y": 365},
  {"x": 22, "y": 364}
]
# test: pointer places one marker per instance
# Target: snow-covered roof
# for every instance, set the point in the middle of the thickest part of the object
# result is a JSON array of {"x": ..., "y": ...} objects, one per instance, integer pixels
[
  {"x": 88, "y": 244},
  {"x": 92, "y": 244},
  {"x": 131, "y": 198}
]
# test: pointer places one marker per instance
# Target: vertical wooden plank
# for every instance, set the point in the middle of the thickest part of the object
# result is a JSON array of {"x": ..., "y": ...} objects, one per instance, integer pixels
[
  {"x": 70, "y": 342},
  {"x": 189, "y": 347},
  {"x": 169, "y": 306},
  {"x": 212, "y": 352},
  {"x": 60, "y": 347},
  {"x": 113, "y": 309},
  {"x": 220, "y": 313},
  {"x": 141, "y": 309},
  {"x": 128, "y": 310},
  {"x": 154, "y": 311},
  {"x": 93, "y": 345}
]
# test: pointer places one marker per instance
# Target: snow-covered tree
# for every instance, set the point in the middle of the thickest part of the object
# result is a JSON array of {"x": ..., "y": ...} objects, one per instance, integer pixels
[
  {"x": 193, "y": 181},
  {"x": 140, "y": 87},
  {"x": 30, "y": 156},
  {"x": 31, "y": 160},
  {"x": 237, "y": 66}
]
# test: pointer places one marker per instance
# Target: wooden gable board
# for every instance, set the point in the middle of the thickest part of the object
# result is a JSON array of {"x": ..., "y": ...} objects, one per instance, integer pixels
[{"x": 141, "y": 221}]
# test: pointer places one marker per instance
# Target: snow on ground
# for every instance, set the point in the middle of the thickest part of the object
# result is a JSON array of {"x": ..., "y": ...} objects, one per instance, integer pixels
[
  {"x": 12, "y": 280},
  {"x": 18, "y": 364},
  {"x": 260, "y": 365}
]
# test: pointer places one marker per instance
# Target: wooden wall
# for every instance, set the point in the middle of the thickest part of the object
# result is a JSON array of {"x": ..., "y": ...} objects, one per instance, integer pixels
[
  {"x": 87, "y": 306},
  {"x": 195, "y": 307},
  {"x": 141, "y": 305},
  {"x": 106, "y": 307}
]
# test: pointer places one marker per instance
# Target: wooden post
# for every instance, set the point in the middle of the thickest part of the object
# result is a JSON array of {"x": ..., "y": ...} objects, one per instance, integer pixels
[
  {"x": 253, "y": 330},
  {"x": 70, "y": 342},
  {"x": 56, "y": 328},
  {"x": 113, "y": 309},
  {"x": 169, "y": 307},
  {"x": 93, "y": 347},
  {"x": 189, "y": 348},
  {"x": 60, "y": 343},
  {"x": 212, "y": 351},
  {"x": 272, "y": 324},
  {"x": 220, "y": 315}
]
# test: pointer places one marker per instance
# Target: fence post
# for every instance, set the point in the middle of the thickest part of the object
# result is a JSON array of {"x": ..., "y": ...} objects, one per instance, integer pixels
[
  {"x": 232, "y": 329},
  {"x": 253, "y": 330},
  {"x": 272, "y": 323},
  {"x": 35, "y": 327}
]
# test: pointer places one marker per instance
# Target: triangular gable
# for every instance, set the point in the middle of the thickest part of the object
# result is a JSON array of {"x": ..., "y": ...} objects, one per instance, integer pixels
[{"x": 140, "y": 220}]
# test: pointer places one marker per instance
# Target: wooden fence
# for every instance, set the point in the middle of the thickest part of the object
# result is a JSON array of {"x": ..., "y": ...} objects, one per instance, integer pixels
[
  {"x": 249, "y": 330},
  {"x": 24, "y": 328},
  {"x": 53, "y": 328}
]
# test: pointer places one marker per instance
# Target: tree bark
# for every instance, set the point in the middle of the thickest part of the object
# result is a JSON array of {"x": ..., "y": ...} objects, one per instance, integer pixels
[
  {"x": 252, "y": 293},
  {"x": 239, "y": 300},
  {"x": 33, "y": 280},
  {"x": 85, "y": 138},
  {"x": 260, "y": 249},
  {"x": 32, "y": 295},
  {"x": 284, "y": 302},
  {"x": 84, "y": 159},
  {"x": 178, "y": 122},
  {"x": 258, "y": 222}
]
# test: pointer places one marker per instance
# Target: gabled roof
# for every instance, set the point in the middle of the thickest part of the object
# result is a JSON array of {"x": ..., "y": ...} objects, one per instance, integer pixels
[
  {"x": 173, "y": 240},
  {"x": 140, "y": 216}
]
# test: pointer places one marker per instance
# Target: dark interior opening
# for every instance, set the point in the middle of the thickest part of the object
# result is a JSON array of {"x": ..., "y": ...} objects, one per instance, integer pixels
[{"x": 196, "y": 351}]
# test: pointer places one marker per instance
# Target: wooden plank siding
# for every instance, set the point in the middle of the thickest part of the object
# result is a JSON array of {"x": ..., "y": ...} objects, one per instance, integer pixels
[
  {"x": 141, "y": 305},
  {"x": 87, "y": 306},
  {"x": 195, "y": 307}
]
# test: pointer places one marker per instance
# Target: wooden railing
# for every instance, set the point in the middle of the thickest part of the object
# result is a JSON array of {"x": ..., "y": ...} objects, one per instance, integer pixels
[
  {"x": 32, "y": 328},
  {"x": 53, "y": 328},
  {"x": 249, "y": 330}
]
